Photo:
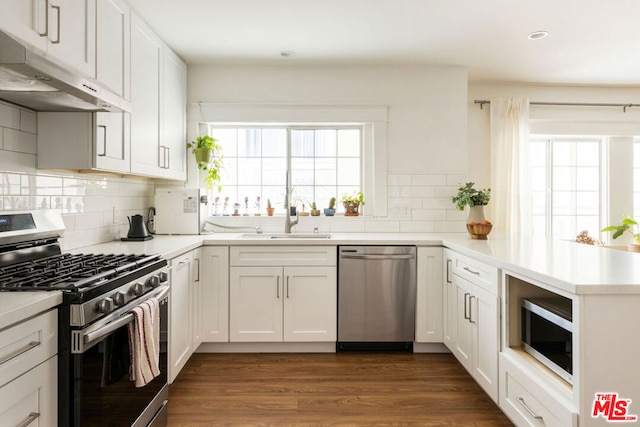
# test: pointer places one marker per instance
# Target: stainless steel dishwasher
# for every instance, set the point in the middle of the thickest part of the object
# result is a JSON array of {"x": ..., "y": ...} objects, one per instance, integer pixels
[{"x": 376, "y": 297}]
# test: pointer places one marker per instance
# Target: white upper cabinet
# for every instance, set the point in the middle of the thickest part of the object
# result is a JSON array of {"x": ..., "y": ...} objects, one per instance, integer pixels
[
  {"x": 158, "y": 98},
  {"x": 63, "y": 29},
  {"x": 146, "y": 78},
  {"x": 174, "y": 116},
  {"x": 113, "y": 40}
]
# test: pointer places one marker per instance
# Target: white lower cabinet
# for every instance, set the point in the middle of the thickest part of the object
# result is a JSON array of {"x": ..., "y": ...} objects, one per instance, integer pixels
[
  {"x": 429, "y": 309},
  {"x": 275, "y": 302},
  {"x": 527, "y": 402},
  {"x": 31, "y": 399},
  {"x": 29, "y": 372},
  {"x": 214, "y": 291},
  {"x": 472, "y": 318},
  {"x": 184, "y": 313}
]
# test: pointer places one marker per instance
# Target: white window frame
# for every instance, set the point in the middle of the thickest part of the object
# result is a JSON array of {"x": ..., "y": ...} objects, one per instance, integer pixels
[
  {"x": 602, "y": 179},
  {"x": 372, "y": 118}
]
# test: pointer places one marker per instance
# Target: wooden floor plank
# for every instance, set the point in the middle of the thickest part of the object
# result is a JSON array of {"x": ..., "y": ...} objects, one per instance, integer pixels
[{"x": 343, "y": 389}]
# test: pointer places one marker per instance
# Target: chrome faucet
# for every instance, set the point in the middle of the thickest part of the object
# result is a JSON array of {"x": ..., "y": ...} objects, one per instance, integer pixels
[{"x": 288, "y": 223}]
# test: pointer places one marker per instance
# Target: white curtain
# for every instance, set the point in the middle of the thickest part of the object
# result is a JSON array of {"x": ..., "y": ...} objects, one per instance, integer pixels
[{"x": 510, "y": 205}]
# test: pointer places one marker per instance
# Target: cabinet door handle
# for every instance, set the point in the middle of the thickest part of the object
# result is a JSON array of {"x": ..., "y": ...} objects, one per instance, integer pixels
[
  {"x": 466, "y": 295},
  {"x": 31, "y": 418},
  {"x": 104, "y": 141},
  {"x": 46, "y": 20},
  {"x": 161, "y": 158},
  {"x": 477, "y": 273},
  {"x": 470, "y": 314},
  {"x": 18, "y": 352},
  {"x": 197, "y": 260},
  {"x": 278, "y": 287},
  {"x": 57, "y": 40},
  {"x": 533, "y": 414},
  {"x": 288, "y": 286},
  {"x": 448, "y": 271},
  {"x": 167, "y": 158}
]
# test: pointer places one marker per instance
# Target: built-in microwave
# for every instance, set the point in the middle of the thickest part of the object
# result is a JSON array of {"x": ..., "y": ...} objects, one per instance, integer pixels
[{"x": 547, "y": 333}]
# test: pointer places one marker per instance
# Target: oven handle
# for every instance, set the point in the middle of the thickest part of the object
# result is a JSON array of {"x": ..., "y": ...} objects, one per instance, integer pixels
[{"x": 88, "y": 337}]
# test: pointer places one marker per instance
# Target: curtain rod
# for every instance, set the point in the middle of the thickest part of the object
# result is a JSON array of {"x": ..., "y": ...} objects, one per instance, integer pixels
[{"x": 624, "y": 107}]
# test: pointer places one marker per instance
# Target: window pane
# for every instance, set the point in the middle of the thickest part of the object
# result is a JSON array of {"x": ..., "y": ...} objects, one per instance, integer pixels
[
  {"x": 249, "y": 142},
  {"x": 326, "y": 142},
  {"x": 564, "y": 203},
  {"x": 274, "y": 143},
  {"x": 349, "y": 171},
  {"x": 587, "y": 203},
  {"x": 562, "y": 178},
  {"x": 326, "y": 171},
  {"x": 538, "y": 153},
  {"x": 302, "y": 143},
  {"x": 587, "y": 178},
  {"x": 588, "y": 154},
  {"x": 249, "y": 171},
  {"x": 349, "y": 142},
  {"x": 227, "y": 138},
  {"x": 301, "y": 171},
  {"x": 538, "y": 178},
  {"x": 563, "y": 153},
  {"x": 563, "y": 227}
]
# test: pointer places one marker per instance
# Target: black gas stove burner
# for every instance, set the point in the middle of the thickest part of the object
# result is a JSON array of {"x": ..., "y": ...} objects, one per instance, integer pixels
[{"x": 70, "y": 272}]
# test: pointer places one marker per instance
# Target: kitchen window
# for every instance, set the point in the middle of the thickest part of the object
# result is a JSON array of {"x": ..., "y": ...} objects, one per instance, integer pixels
[
  {"x": 325, "y": 162},
  {"x": 566, "y": 182}
]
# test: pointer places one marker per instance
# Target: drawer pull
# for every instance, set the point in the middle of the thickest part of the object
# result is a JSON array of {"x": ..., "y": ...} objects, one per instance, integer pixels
[
  {"x": 31, "y": 418},
  {"x": 448, "y": 271},
  {"x": 477, "y": 273},
  {"x": 466, "y": 316},
  {"x": 533, "y": 414},
  {"x": 32, "y": 344}
]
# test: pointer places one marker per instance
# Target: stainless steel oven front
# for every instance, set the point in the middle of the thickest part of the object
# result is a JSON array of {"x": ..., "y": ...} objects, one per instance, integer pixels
[{"x": 94, "y": 386}]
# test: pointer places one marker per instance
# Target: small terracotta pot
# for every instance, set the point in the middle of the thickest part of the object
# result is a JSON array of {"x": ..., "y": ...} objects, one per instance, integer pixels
[
  {"x": 351, "y": 208},
  {"x": 270, "y": 211}
]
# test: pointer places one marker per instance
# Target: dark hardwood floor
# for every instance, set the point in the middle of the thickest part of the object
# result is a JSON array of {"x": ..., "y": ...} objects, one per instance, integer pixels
[{"x": 343, "y": 389}]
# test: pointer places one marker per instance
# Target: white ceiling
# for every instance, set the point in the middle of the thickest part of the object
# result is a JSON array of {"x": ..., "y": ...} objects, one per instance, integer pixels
[{"x": 589, "y": 42}]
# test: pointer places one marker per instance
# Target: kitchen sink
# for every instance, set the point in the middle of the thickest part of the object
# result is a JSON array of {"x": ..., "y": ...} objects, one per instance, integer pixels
[{"x": 282, "y": 236}]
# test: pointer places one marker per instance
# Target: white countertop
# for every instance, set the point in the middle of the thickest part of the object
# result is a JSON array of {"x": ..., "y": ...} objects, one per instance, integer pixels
[
  {"x": 16, "y": 307},
  {"x": 567, "y": 266}
]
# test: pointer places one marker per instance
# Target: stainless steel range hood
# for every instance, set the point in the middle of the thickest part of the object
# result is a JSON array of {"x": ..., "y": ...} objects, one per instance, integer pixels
[{"x": 29, "y": 78}]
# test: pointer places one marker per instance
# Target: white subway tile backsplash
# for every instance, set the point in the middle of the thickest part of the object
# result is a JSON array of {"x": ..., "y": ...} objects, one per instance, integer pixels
[
  {"x": 400, "y": 180},
  {"x": 417, "y": 226},
  {"x": 431, "y": 180},
  {"x": 10, "y": 161},
  {"x": 456, "y": 180},
  {"x": 429, "y": 215}
]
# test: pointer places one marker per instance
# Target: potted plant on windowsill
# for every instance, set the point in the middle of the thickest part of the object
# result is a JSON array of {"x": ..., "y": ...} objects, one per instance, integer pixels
[
  {"x": 627, "y": 224},
  {"x": 208, "y": 155},
  {"x": 331, "y": 210},
  {"x": 477, "y": 225},
  {"x": 352, "y": 203}
]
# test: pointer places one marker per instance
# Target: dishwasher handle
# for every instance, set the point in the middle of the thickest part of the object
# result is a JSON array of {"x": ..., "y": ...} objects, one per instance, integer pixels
[{"x": 376, "y": 256}]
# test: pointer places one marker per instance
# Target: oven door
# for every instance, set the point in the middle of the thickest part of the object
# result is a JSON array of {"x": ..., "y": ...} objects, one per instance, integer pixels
[{"x": 102, "y": 393}]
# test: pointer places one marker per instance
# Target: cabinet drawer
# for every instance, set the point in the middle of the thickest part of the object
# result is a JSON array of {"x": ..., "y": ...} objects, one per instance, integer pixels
[
  {"x": 282, "y": 255},
  {"x": 475, "y": 271},
  {"x": 31, "y": 399},
  {"x": 526, "y": 401},
  {"x": 27, "y": 344}
]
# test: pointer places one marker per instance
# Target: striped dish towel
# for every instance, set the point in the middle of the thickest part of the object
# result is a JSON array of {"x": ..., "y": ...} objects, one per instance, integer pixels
[{"x": 144, "y": 342}]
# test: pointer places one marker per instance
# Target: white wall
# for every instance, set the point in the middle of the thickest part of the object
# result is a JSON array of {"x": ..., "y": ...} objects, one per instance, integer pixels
[
  {"x": 86, "y": 201},
  {"x": 426, "y": 128}
]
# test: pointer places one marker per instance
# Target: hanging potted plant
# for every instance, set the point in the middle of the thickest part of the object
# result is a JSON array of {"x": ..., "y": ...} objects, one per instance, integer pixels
[
  {"x": 208, "y": 155},
  {"x": 477, "y": 225},
  {"x": 352, "y": 203}
]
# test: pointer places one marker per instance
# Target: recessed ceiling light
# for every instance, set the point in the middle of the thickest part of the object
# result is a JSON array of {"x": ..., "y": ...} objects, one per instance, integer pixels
[
  {"x": 287, "y": 53},
  {"x": 537, "y": 35}
]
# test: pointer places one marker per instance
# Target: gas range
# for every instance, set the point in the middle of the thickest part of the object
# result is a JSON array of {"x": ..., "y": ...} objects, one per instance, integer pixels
[
  {"x": 93, "y": 284},
  {"x": 99, "y": 293}
]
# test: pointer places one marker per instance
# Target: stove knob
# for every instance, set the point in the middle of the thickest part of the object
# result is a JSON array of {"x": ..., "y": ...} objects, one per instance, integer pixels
[
  {"x": 153, "y": 281},
  {"x": 119, "y": 298},
  {"x": 105, "y": 306},
  {"x": 137, "y": 289},
  {"x": 163, "y": 276}
]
